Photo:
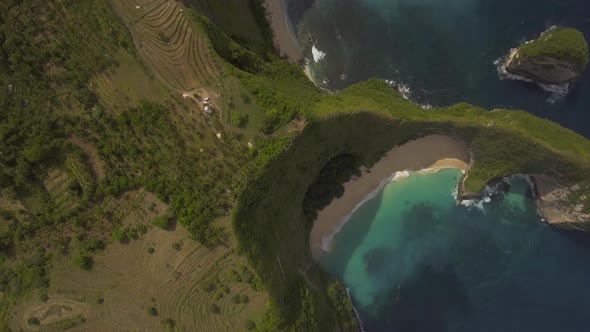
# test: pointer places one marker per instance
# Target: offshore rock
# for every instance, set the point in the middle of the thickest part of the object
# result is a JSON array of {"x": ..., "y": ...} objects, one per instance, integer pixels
[
  {"x": 557, "y": 57},
  {"x": 559, "y": 205}
]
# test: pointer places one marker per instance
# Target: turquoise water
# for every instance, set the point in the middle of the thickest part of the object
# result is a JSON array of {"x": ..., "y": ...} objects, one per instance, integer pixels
[{"x": 414, "y": 261}]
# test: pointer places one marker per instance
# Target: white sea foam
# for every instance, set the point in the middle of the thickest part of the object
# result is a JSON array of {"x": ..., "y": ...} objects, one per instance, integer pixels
[
  {"x": 358, "y": 317},
  {"x": 401, "y": 87},
  {"x": 317, "y": 54},
  {"x": 474, "y": 203},
  {"x": 489, "y": 191},
  {"x": 406, "y": 92},
  {"x": 400, "y": 175}
]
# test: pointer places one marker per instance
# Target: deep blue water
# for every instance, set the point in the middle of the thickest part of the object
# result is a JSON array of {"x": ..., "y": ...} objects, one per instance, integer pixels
[
  {"x": 415, "y": 262},
  {"x": 443, "y": 50}
]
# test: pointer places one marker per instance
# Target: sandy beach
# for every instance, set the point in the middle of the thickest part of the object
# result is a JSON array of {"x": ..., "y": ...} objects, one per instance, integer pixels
[
  {"x": 434, "y": 151},
  {"x": 284, "y": 39}
]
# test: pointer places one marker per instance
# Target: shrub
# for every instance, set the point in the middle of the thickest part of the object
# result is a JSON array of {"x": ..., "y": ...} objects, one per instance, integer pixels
[
  {"x": 142, "y": 229},
  {"x": 119, "y": 235},
  {"x": 132, "y": 233},
  {"x": 208, "y": 286},
  {"x": 169, "y": 323},
  {"x": 215, "y": 308},
  {"x": 93, "y": 245},
  {"x": 176, "y": 246},
  {"x": 151, "y": 250},
  {"x": 162, "y": 222},
  {"x": 244, "y": 298},
  {"x": 153, "y": 311},
  {"x": 250, "y": 325},
  {"x": 82, "y": 261},
  {"x": 239, "y": 118},
  {"x": 33, "y": 321}
]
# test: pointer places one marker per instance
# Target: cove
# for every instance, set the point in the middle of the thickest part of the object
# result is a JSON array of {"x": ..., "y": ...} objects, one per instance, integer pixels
[{"x": 415, "y": 261}]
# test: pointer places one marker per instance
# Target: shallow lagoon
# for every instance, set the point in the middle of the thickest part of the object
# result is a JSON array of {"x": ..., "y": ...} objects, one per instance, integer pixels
[{"x": 414, "y": 261}]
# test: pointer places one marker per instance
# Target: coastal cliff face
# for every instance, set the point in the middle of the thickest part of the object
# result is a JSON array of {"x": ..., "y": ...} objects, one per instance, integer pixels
[
  {"x": 561, "y": 206},
  {"x": 558, "y": 56},
  {"x": 543, "y": 69}
]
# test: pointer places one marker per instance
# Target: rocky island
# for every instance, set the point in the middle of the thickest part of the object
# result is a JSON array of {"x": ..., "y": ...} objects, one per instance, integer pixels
[{"x": 557, "y": 57}]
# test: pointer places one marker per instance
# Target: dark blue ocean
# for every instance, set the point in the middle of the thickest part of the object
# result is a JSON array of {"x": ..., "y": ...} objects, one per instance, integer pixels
[
  {"x": 443, "y": 50},
  {"x": 415, "y": 262},
  {"x": 412, "y": 260}
]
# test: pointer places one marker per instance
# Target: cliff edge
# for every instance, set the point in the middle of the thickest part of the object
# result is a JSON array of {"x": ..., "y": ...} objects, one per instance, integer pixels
[
  {"x": 558, "y": 56},
  {"x": 561, "y": 206}
]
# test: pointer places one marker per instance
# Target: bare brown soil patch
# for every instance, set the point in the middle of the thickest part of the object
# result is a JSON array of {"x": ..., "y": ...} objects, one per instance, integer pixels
[{"x": 51, "y": 313}]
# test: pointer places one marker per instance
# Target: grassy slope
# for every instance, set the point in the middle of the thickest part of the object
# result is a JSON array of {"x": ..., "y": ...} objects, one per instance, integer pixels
[{"x": 561, "y": 43}]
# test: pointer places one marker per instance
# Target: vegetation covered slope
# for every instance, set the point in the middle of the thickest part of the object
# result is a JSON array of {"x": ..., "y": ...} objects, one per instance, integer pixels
[
  {"x": 566, "y": 44},
  {"x": 365, "y": 121},
  {"x": 93, "y": 163},
  {"x": 85, "y": 121}
]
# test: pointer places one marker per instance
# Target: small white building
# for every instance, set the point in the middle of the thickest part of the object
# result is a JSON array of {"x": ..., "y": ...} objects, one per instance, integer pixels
[
  {"x": 9, "y": 88},
  {"x": 250, "y": 145},
  {"x": 207, "y": 109}
]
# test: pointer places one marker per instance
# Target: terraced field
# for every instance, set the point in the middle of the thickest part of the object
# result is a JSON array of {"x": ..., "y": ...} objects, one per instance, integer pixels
[
  {"x": 58, "y": 184},
  {"x": 127, "y": 281},
  {"x": 179, "y": 55},
  {"x": 123, "y": 87},
  {"x": 169, "y": 43}
]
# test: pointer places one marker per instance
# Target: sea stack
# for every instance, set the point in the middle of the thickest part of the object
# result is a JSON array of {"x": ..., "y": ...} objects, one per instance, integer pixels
[{"x": 557, "y": 57}]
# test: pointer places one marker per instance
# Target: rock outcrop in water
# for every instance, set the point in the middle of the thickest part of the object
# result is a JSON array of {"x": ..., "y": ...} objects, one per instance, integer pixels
[
  {"x": 557, "y": 57},
  {"x": 559, "y": 205},
  {"x": 566, "y": 207}
]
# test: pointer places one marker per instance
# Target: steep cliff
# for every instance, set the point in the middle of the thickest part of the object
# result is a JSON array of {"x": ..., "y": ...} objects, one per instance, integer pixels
[{"x": 558, "y": 56}]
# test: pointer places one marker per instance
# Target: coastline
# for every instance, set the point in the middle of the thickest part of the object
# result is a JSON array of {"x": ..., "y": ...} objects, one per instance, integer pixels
[
  {"x": 283, "y": 37},
  {"x": 430, "y": 152}
]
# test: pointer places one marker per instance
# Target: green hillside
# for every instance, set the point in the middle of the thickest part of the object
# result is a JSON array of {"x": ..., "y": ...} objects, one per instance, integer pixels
[
  {"x": 560, "y": 43},
  {"x": 120, "y": 197}
]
